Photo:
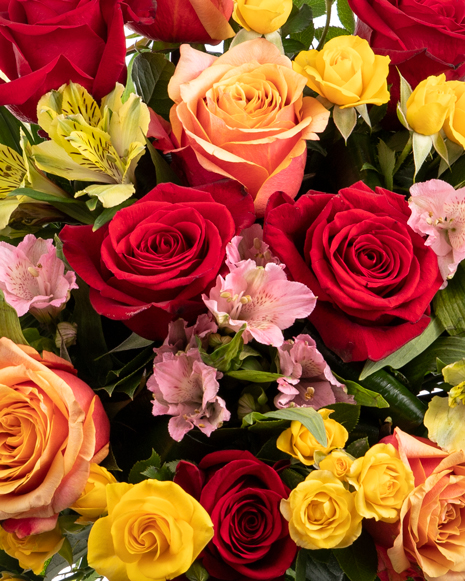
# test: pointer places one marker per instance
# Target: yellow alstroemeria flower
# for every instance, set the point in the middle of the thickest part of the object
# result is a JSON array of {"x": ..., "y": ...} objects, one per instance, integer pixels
[
  {"x": 94, "y": 144},
  {"x": 19, "y": 171}
]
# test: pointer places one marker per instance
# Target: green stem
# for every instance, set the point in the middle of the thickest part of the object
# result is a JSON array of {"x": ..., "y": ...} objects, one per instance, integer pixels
[
  {"x": 407, "y": 149},
  {"x": 326, "y": 28}
]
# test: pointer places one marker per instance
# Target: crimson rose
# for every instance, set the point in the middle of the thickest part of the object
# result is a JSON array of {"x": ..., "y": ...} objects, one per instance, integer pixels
[
  {"x": 46, "y": 43},
  {"x": 150, "y": 264},
  {"x": 422, "y": 37},
  {"x": 373, "y": 275},
  {"x": 242, "y": 495},
  {"x": 203, "y": 21}
]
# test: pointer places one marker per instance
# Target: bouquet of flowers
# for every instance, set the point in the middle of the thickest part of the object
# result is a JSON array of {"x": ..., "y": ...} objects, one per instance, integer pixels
[{"x": 232, "y": 290}]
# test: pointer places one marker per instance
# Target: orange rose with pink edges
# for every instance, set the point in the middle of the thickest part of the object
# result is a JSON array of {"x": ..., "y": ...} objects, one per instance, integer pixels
[
  {"x": 431, "y": 532},
  {"x": 243, "y": 116},
  {"x": 52, "y": 426}
]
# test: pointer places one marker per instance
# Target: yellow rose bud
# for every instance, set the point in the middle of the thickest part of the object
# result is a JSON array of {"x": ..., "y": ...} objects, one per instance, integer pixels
[
  {"x": 382, "y": 482},
  {"x": 454, "y": 125},
  {"x": 321, "y": 513},
  {"x": 262, "y": 16},
  {"x": 32, "y": 551},
  {"x": 338, "y": 462},
  {"x": 299, "y": 443},
  {"x": 154, "y": 531},
  {"x": 346, "y": 72},
  {"x": 93, "y": 500},
  {"x": 430, "y": 104}
]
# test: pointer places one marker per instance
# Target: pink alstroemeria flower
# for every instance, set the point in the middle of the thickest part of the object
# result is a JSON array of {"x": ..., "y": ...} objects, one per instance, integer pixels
[
  {"x": 260, "y": 297},
  {"x": 438, "y": 211},
  {"x": 309, "y": 381},
  {"x": 185, "y": 388},
  {"x": 33, "y": 278},
  {"x": 250, "y": 246},
  {"x": 182, "y": 337}
]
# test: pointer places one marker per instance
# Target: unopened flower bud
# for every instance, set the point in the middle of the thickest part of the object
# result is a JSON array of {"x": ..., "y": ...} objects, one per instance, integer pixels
[{"x": 66, "y": 332}]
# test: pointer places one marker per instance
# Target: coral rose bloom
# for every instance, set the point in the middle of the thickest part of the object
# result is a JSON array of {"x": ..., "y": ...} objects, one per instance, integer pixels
[
  {"x": 52, "y": 426},
  {"x": 243, "y": 116},
  {"x": 431, "y": 531}
]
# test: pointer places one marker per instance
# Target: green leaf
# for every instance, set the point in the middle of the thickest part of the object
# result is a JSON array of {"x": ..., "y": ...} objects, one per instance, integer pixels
[
  {"x": 446, "y": 349},
  {"x": 196, "y": 572},
  {"x": 90, "y": 338},
  {"x": 292, "y": 47},
  {"x": 345, "y": 120},
  {"x": 301, "y": 566},
  {"x": 9, "y": 323},
  {"x": 421, "y": 145},
  {"x": 254, "y": 376},
  {"x": 308, "y": 417},
  {"x": 449, "y": 303},
  {"x": 9, "y": 130},
  {"x": 134, "y": 341},
  {"x": 387, "y": 162},
  {"x": 298, "y": 22},
  {"x": 408, "y": 352},
  {"x": 346, "y": 16},
  {"x": 129, "y": 88},
  {"x": 69, "y": 206},
  {"x": 136, "y": 473},
  {"x": 66, "y": 551},
  {"x": 364, "y": 396},
  {"x": 323, "y": 566},
  {"x": 359, "y": 561},
  {"x": 358, "y": 448},
  {"x": 151, "y": 73},
  {"x": 333, "y": 31},
  {"x": 108, "y": 213},
  {"x": 163, "y": 170},
  {"x": 346, "y": 414},
  {"x": 225, "y": 356},
  {"x": 292, "y": 478},
  {"x": 318, "y": 6},
  {"x": 128, "y": 378}
]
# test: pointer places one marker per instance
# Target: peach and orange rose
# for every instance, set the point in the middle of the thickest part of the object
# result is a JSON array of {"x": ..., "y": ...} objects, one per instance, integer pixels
[
  {"x": 243, "y": 116},
  {"x": 431, "y": 531},
  {"x": 52, "y": 426}
]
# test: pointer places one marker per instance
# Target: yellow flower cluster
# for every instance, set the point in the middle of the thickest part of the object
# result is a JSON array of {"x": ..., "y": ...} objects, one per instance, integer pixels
[{"x": 326, "y": 510}]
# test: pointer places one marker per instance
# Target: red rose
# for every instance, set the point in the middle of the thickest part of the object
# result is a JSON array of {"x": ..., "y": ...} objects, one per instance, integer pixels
[
  {"x": 242, "y": 495},
  {"x": 44, "y": 44},
  {"x": 373, "y": 275},
  {"x": 203, "y": 21},
  {"x": 150, "y": 264},
  {"x": 422, "y": 37}
]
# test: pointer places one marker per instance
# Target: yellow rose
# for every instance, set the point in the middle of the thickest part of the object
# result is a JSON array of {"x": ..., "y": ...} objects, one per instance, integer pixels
[
  {"x": 338, "y": 462},
  {"x": 382, "y": 482},
  {"x": 34, "y": 550},
  {"x": 263, "y": 16},
  {"x": 321, "y": 513},
  {"x": 430, "y": 104},
  {"x": 299, "y": 443},
  {"x": 154, "y": 531},
  {"x": 346, "y": 72},
  {"x": 93, "y": 500},
  {"x": 454, "y": 125}
]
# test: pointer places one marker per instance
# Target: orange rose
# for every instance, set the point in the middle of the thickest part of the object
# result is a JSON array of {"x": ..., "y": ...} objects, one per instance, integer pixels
[
  {"x": 52, "y": 426},
  {"x": 432, "y": 519},
  {"x": 243, "y": 116}
]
